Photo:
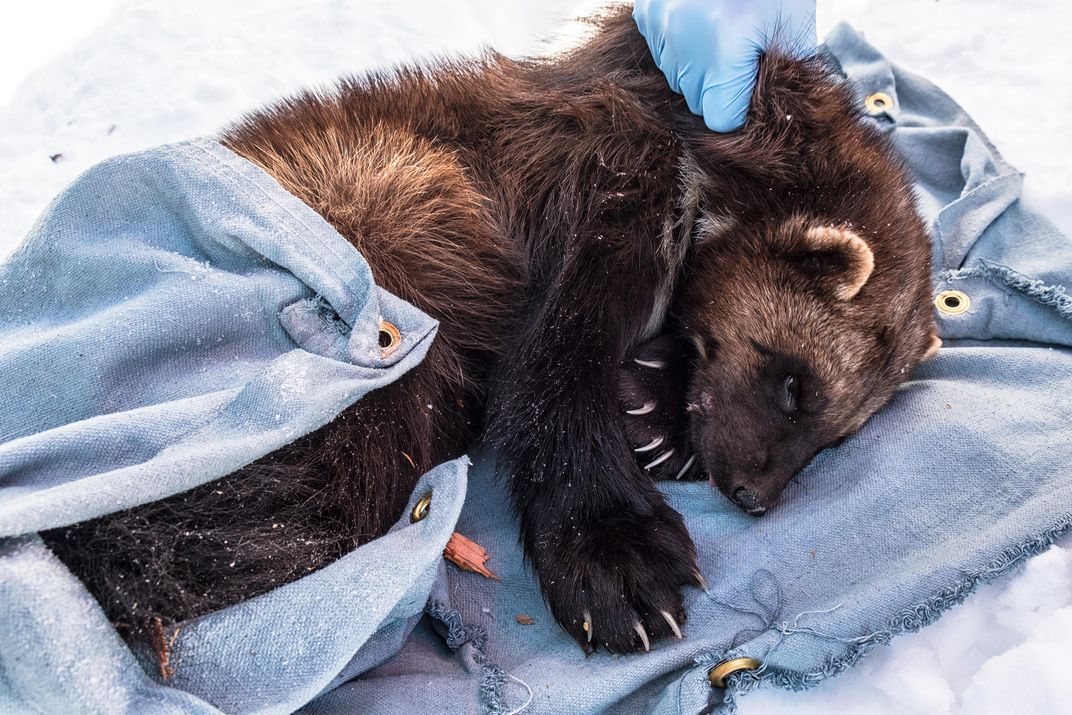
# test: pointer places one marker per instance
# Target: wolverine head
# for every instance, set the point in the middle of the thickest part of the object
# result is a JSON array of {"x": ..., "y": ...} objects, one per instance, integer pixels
[{"x": 803, "y": 328}]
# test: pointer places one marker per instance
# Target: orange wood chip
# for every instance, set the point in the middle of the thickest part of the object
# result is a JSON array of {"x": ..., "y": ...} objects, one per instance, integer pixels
[
  {"x": 162, "y": 645},
  {"x": 468, "y": 555},
  {"x": 525, "y": 620}
]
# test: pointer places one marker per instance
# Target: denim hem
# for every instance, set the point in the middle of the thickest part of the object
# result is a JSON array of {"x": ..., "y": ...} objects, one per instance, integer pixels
[
  {"x": 910, "y": 620},
  {"x": 1051, "y": 296},
  {"x": 459, "y": 633}
]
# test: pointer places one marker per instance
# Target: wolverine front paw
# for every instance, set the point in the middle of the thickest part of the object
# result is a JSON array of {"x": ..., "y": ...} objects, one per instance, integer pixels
[
  {"x": 653, "y": 385},
  {"x": 616, "y": 583}
]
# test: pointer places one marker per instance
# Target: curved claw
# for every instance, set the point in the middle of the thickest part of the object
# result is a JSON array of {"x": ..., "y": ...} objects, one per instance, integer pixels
[
  {"x": 687, "y": 467},
  {"x": 654, "y": 364},
  {"x": 700, "y": 580},
  {"x": 639, "y": 628},
  {"x": 647, "y": 408},
  {"x": 659, "y": 460},
  {"x": 650, "y": 446},
  {"x": 672, "y": 623},
  {"x": 587, "y": 625}
]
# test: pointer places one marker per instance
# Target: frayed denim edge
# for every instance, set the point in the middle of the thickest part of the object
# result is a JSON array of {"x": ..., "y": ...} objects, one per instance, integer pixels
[
  {"x": 492, "y": 677},
  {"x": 1055, "y": 297},
  {"x": 908, "y": 621}
]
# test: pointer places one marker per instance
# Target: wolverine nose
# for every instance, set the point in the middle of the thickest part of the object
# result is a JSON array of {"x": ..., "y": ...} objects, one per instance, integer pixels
[{"x": 749, "y": 502}]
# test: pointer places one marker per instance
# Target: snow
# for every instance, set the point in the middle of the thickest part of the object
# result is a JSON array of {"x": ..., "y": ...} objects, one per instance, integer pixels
[{"x": 91, "y": 78}]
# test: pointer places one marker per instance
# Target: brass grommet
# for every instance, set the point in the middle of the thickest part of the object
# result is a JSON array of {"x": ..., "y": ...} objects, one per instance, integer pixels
[
  {"x": 420, "y": 509},
  {"x": 717, "y": 675},
  {"x": 952, "y": 302},
  {"x": 390, "y": 339},
  {"x": 878, "y": 103}
]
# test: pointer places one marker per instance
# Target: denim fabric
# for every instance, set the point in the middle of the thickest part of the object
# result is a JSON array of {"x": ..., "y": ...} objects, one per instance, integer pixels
[{"x": 176, "y": 314}]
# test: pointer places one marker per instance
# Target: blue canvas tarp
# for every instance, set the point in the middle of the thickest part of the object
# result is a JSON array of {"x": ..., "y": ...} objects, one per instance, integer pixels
[{"x": 176, "y": 314}]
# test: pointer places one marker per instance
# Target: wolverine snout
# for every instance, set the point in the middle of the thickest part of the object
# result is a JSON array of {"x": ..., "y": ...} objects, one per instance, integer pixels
[
  {"x": 749, "y": 502},
  {"x": 748, "y": 498}
]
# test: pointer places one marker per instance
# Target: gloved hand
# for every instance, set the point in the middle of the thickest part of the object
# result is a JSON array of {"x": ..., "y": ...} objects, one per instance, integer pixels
[{"x": 709, "y": 49}]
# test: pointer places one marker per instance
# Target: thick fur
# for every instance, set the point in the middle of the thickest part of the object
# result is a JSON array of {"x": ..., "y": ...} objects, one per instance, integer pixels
[{"x": 544, "y": 212}]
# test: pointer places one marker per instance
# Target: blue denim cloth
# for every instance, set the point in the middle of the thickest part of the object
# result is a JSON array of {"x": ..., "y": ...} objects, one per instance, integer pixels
[{"x": 176, "y": 314}]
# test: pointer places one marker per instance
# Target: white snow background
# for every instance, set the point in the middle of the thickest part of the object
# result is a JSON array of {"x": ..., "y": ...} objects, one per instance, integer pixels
[{"x": 83, "y": 80}]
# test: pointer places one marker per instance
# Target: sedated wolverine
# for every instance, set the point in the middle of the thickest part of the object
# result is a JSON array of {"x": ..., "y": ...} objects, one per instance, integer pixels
[{"x": 555, "y": 215}]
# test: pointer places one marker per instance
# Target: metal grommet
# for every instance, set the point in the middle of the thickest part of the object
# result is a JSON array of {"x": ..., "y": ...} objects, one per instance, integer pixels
[
  {"x": 390, "y": 339},
  {"x": 878, "y": 103},
  {"x": 717, "y": 675},
  {"x": 952, "y": 302},
  {"x": 420, "y": 509}
]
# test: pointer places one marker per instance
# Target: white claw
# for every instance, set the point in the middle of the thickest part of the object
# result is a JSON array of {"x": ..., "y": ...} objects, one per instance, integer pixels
[
  {"x": 647, "y": 408},
  {"x": 588, "y": 625},
  {"x": 650, "y": 446},
  {"x": 639, "y": 628},
  {"x": 673, "y": 624},
  {"x": 687, "y": 467},
  {"x": 654, "y": 364},
  {"x": 658, "y": 460}
]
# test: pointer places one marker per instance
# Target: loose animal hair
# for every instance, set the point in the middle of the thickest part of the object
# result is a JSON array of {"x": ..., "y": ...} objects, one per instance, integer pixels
[{"x": 553, "y": 214}]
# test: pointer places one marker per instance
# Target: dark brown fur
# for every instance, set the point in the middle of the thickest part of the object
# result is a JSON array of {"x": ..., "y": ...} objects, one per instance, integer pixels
[{"x": 543, "y": 211}]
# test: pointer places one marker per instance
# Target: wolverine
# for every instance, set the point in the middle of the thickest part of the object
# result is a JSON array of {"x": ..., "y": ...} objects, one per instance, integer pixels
[{"x": 622, "y": 295}]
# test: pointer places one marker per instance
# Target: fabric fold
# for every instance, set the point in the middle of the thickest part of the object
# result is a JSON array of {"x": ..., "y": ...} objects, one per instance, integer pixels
[{"x": 151, "y": 338}]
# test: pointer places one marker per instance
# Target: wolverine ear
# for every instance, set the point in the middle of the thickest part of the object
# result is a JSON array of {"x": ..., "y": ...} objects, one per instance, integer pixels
[
  {"x": 837, "y": 257},
  {"x": 932, "y": 348}
]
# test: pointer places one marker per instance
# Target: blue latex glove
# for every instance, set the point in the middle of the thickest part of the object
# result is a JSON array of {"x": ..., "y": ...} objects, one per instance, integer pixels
[{"x": 709, "y": 49}]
